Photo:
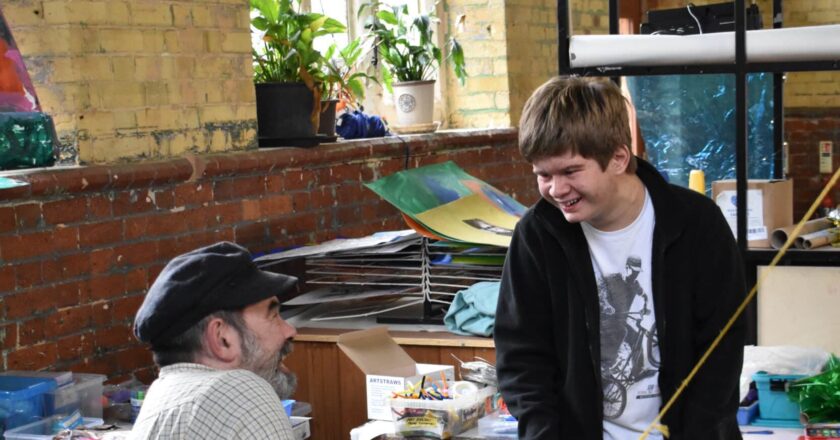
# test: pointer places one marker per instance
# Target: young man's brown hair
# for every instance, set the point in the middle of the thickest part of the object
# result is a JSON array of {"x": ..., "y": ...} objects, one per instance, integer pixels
[{"x": 586, "y": 116}]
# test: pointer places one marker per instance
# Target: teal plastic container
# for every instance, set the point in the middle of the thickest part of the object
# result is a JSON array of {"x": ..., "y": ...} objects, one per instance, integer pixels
[
  {"x": 773, "y": 402},
  {"x": 22, "y": 400}
]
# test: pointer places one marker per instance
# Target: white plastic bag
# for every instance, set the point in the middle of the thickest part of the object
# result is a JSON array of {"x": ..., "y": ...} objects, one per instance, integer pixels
[{"x": 781, "y": 359}]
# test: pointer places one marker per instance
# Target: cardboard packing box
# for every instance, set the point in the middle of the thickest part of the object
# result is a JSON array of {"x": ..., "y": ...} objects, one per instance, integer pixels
[
  {"x": 300, "y": 427},
  {"x": 769, "y": 206},
  {"x": 387, "y": 367}
]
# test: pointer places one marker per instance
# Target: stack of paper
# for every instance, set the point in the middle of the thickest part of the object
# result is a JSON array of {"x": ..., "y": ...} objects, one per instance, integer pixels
[{"x": 461, "y": 228}]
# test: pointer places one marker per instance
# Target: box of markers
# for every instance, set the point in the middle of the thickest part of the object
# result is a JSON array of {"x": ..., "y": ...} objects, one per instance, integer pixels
[
  {"x": 387, "y": 367},
  {"x": 441, "y": 419}
]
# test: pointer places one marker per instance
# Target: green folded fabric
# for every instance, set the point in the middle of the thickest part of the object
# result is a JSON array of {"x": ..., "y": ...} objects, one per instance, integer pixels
[{"x": 473, "y": 311}]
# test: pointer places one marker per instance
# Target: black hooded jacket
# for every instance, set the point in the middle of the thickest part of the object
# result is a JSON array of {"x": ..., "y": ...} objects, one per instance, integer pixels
[{"x": 547, "y": 332}]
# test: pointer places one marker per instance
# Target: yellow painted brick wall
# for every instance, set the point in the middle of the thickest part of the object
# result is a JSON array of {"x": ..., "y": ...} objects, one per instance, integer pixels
[
  {"x": 532, "y": 44},
  {"x": 479, "y": 25},
  {"x": 510, "y": 48},
  {"x": 130, "y": 79},
  {"x": 802, "y": 89},
  {"x": 590, "y": 17}
]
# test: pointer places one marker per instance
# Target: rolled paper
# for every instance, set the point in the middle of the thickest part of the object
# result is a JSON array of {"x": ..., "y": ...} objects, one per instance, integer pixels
[
  {"x": 779, "y": 236},
  {"x": 697, "y": 181},
  {"x": 817, "y": 239}
]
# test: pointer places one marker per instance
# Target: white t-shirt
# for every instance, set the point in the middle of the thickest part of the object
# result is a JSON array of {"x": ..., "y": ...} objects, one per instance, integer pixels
[{"x": 629, "y": 344}]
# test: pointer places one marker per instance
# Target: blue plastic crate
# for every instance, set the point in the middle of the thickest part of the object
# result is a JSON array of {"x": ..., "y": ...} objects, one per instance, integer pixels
[
  {"x": 746, "y": 414},
  {"x": 22, "y": 400},
  {"x": 773, "y": 402}
]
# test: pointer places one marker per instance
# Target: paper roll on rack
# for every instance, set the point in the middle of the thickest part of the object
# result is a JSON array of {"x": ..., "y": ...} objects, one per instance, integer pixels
[
  {"x": 817, "y": 239},
  {"x": 779, "y": 236}
]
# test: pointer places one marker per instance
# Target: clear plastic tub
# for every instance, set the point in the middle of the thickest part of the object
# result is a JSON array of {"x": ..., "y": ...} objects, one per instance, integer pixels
[
  {"x": 60, "y": 377},
  {"x": 498, "y": 425},
  {"x": 440, "y": 419},
  {"x": 84, "y": 394},
  {"x": 43, "y": 429}
]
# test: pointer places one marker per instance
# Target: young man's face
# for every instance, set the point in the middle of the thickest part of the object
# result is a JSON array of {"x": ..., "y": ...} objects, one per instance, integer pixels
[
  {"x": 267, "y": 342},
  {"x": 579, "y": 188}
]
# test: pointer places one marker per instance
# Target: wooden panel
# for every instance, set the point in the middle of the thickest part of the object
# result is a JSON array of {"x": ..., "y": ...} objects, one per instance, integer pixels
[{"x": 353, "y": 403}]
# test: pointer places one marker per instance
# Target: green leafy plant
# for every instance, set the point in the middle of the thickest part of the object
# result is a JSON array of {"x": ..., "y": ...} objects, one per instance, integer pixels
[
  {"x": 819, "y": 396},
  {"x": 288, "y": 53},
  {"x": 406, "y": 45},
  {"x": 341, "y": 77}
]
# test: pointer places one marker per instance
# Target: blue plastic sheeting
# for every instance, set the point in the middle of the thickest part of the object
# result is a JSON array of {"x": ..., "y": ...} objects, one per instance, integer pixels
[{"x": 688, "y": 122}]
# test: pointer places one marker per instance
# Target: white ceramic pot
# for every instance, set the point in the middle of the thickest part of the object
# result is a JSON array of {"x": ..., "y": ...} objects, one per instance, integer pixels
[{"x": 415, "y": 102}]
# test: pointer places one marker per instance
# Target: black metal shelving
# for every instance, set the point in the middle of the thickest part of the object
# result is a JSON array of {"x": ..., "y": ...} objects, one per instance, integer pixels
[{"x": 740, "y": 68}]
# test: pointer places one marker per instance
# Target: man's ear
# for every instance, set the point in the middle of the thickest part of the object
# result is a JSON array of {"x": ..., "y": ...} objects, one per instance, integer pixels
[
  {"x": 621, "y": 159},
  {"x": 222, "y": 341}
]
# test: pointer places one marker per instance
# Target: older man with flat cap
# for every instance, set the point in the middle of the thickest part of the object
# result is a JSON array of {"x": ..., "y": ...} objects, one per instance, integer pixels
[{"x": 213, "y": 321}]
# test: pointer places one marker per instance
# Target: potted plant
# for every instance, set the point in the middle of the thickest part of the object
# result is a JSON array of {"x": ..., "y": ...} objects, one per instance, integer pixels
[
  {"x": 342, "y": 82},
  {"x": 409, "y": 55},
  {"x": 286, "y": 69}
]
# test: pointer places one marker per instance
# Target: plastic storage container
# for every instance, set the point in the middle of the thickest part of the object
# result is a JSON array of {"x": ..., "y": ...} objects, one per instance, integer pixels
[
  {"x": 43, "y": 429},
  {"x": 22, "y": 400},
  {"x": 746, "y": 414},
  {"x": 773, "y": 402},
  {"x": 497, "y": 425},
  {"x": 61, "y": 378},
  {"x": 440, "y": 419},
  {"x": 84, "y": 394}
]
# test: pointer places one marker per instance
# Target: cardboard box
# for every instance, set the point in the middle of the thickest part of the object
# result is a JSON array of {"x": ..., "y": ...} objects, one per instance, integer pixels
[
  {"x": 387, "y": 367},
  {"x": 300, "y": 427},
  {"x": 769, "y": 206}
]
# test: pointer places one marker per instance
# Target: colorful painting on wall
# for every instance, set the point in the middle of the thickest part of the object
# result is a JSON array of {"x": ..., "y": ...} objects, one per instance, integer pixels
[
  {"x": 16, "y": 91},
  {"x": 27, "y": 136}
]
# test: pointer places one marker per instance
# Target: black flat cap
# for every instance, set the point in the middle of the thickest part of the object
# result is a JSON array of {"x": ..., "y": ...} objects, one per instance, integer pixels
[{"x": 193, "y": 285}]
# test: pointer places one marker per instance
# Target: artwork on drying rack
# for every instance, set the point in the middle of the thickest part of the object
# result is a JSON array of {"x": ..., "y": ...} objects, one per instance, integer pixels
[
  {"x": 27, "y": 136},
  {"x": 16, "y": 91}
]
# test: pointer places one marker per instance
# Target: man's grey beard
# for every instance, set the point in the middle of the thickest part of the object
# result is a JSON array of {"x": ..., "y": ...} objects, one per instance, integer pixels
[{"x": 284, "y": 383}]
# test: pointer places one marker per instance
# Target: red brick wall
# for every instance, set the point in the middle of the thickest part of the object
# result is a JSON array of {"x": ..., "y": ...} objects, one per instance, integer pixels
[
  {"x": 79, "y": 246},
  {"x": 804, "y": 129}
]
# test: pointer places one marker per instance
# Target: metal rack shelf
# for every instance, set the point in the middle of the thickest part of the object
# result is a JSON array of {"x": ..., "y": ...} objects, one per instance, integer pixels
[{"x": 702, "y": 69}]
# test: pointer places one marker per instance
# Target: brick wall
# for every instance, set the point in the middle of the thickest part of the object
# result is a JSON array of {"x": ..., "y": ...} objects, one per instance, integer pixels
[
  {"x": 140, "y": 79},
  {"x": 79, "y": 246},
  {"x": 511, "y": 49},
  {"x": 532, "y": 45},
  {"x": 485, "y": 98},
  {"x": 804, "y": 129}
]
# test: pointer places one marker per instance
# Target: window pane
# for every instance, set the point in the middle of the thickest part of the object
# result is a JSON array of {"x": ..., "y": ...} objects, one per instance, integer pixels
[{"x": 336, "y": 9}]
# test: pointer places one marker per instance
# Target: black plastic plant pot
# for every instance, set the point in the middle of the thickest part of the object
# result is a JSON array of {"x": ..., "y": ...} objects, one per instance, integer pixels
[
  {"x": 283, "y": 111},
  {"x": 326, "y": 126}
]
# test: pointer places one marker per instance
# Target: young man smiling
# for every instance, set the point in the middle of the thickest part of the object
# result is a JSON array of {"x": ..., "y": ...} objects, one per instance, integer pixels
[
  {"x": 213, "y": 321},
  {"x": 585, "y": 351}
]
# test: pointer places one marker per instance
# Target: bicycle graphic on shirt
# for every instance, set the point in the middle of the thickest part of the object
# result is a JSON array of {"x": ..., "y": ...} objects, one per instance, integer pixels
[{"x": 631, "y": 350}]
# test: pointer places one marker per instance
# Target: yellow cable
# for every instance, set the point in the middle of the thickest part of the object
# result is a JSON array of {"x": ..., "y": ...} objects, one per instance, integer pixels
[{"x": 655, "y": 424}]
